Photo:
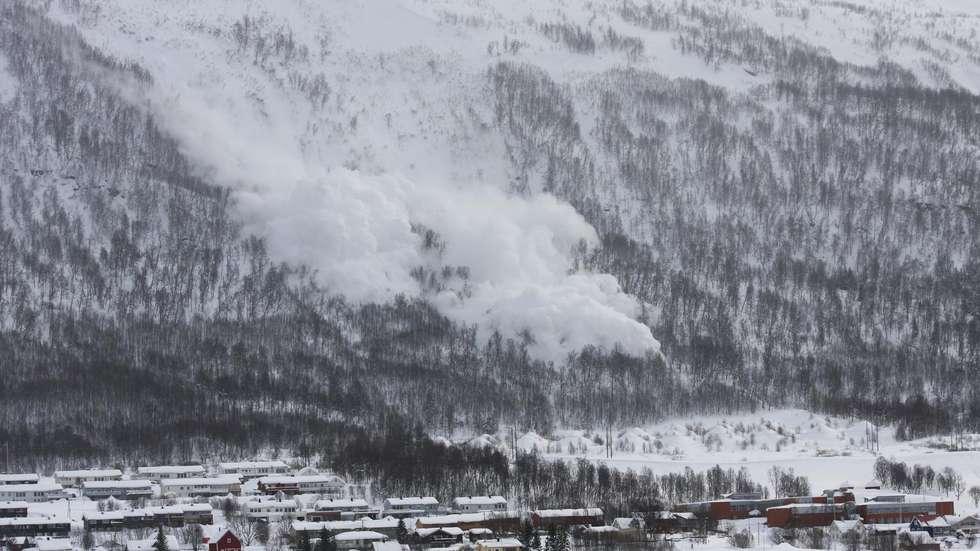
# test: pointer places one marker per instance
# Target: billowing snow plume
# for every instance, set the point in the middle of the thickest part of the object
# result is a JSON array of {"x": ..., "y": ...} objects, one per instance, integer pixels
[{"x": 370, "y": 159}]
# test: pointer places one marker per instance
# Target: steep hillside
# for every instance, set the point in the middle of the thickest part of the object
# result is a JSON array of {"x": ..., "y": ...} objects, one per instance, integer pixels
[{"x": 603, "y": 213}]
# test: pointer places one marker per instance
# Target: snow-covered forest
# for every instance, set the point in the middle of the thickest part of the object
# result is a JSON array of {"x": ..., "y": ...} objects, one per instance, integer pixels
[{"x": 227, "y": 228}]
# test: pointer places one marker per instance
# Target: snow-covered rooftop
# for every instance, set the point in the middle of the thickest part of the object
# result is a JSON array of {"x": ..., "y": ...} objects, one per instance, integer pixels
[
  {"x": 411, "y": 501},
  {"x": 87, "y": 473},
  {"x": 340, "y": 503},
  {"x": 301, "y": 479},
  {"x": 21, "y": 477},
  {"x": 480, "y": 500},
  {"x": 235, "y": 465},
  {"x": 553, "y": 513},
  {"x": 360, "y": 535},
  {"x": 171, "y": 469},
  {"x": 98, "y": 484}
]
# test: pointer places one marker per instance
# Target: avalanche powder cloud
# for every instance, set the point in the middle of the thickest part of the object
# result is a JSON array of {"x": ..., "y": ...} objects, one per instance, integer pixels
[{"x": 341, "y": 187}]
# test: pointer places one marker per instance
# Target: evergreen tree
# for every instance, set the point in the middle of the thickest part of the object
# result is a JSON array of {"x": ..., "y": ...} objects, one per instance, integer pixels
[
  {"x": 552, "y": 539},
  {"x": 527, "y": 534},
  {"x": 88, "y": 540},
  {"x": 561, "y": 540},
  {"x": 324, "y": 539},
  {"x": 304, "y": 542},
  {"x": 402, "y": 534},
  {"x": 161, "y": 542}
]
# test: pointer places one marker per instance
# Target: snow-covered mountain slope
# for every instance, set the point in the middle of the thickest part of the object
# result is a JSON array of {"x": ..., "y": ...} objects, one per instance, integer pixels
[
  {"x": 328, "y": 206},
  {"x": 345, "y": 127}
]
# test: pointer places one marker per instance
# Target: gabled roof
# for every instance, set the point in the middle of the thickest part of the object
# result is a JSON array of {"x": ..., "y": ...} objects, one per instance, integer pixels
[
  {"x": 201, "y": 481},
  {"x": 480, "y": 500},
  {"x": 501, "y": 543},
  {"x": 167, "y": 469},
  {"x": 13, "y": 505},
  {"x": 553, "y": 513},
  {"x": 451, "y": 530},
  {"x": 84, "y": 473},
  {"x": 104, "y": 484},
  {"x": 932, "y": 521},
  {"x": 301, "y": 479},
  {"x": 360, "y": 535},
  {"x": 19, "y": 477},
  {"x": 341, "y": 503},
  {"x": 411, "y": 501}
]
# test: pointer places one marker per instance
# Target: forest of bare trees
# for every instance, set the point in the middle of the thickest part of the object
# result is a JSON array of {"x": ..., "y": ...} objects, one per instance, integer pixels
[{"x": 814, "y": 243}]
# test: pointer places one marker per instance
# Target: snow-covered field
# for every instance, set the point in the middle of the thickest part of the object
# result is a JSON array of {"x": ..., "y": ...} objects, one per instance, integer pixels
[{"x": 827, "y": 450}]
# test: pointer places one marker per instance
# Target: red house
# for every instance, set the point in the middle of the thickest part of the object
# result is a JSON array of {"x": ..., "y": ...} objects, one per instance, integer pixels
[{"x": 227, "y": 542}]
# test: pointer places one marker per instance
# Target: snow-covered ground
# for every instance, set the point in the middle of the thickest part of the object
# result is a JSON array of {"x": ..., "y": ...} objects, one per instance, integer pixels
[
  {"x": 826, "y": 449},
  {"x": 359, "y": 121}
]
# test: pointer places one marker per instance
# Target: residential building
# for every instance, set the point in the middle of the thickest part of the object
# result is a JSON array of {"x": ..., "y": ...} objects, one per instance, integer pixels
[
  {"x": 149, "y": 544},
  {"x": 410, "y": 506},
  {"x": 935, "y": 525},
  {"x": 201, "y": 487},
  {"x": 271, "y": 510},
  {"x": 45, "y": 543},
  {"x": 386, "y": 526},
  {"x": 22, "y": 478},
  {"x": 33, "y": 527},
  {"x": 11, "y": 509},
  {"x": 227, "y": 541},
  {"x": 119, "y": 489},
  {"x": 75, "y": 479},
  {"x": 173, "y": 516},
  {"x": 499, "y": 544},
  {"x": 968, "y": 525},
  {"x": 302, "y": 484},
  {"x": 253, "y": 469},
  {"x": 339, "y": 509},
  {"x": 500, "y": 522},
  {"x": 437, "y": 537},
  {"x": 672, "y": 522},
  {"x": 905, "y": 511},
  {"x": 32, "y": 493},
  {"x": 805, "y": 515},
  {"x": 474, "y": 504},
  {"x": 358, "y": 539},
  {"x": 545, "y": 518},
  {"x": 169, "y": 472}
]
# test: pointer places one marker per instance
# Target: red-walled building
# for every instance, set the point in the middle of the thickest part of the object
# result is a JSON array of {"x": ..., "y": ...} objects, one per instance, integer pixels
[
  {"x": 805, "y": 515},
  {"x": 545, "y": 518},
  {"x": 227, "y": 542},
  {"x": 901, "y": 511}
]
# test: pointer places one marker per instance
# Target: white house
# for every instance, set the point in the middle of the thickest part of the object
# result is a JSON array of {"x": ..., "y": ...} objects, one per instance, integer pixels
[
  {"x": 253, "y": 469},
  {"x": 119, "y": 489},
  {"x": 383, "y": 525},
  {"x": 74, "y": 479},
  {"x": 499, "y": 544},
  {"x": 147, "y": 544},
  {"x": 270, "y": 510},
  {"x": 342, "y": 505},
  {"x": 193, "y": 487},
  {"x": 33, "y": 493},
  {"x": 302, "y": 484},
  {"x": 358, "y": 539},
  {"x": 969, "y": 524},
  {"x": 24, "y": 478},
  {"x": 475, "y": 504},
  {"x": 168, "y": 472},
  {"x": 52, "y": 544},
  {"x": 412, "y": 504}
]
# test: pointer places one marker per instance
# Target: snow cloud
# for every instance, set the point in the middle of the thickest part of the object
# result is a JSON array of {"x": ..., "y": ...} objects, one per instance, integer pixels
[{"x": 344, "y": 188}]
